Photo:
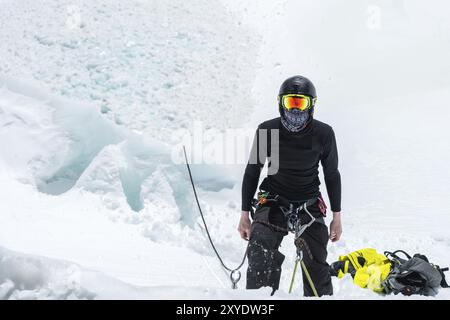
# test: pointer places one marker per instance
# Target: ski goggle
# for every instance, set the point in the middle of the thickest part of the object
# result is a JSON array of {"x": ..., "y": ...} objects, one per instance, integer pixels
[{"x": 297, "y": 101}]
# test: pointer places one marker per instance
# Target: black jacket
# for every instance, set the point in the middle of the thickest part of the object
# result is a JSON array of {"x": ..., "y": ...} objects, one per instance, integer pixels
[{"x": 297, "y": 177}]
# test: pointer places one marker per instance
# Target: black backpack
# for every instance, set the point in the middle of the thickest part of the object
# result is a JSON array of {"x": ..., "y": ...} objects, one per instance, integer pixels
[{"x": 413, "y": 275}]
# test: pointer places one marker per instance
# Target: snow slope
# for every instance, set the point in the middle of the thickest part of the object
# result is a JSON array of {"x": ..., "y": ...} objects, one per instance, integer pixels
[{"x": 90, "y": 100}]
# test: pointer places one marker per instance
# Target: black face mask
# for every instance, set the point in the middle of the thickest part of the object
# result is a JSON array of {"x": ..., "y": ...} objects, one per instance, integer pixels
[{"x": 295, "y": 120}]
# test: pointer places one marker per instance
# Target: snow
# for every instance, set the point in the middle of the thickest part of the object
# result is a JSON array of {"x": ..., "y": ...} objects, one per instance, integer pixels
[
  {"x": 133, "y": 59},
  {"x": 94, "y": 97},
  {"x": 33, "y": 277}
]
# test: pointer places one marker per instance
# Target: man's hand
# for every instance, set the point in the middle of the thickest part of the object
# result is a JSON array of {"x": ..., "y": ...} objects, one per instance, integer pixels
[
  {"x": 244, "y": 225},
  {"x": 336, "y": 227}
]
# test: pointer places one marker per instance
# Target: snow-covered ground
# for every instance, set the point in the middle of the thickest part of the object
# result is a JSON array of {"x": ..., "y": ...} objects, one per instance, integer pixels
[{"x": 92, "y": 97}]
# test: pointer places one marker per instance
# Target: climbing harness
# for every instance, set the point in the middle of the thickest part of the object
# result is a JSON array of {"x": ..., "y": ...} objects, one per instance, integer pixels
[
  {"x": 291, "y": 211},
  {"x": 235, "y": 274}
]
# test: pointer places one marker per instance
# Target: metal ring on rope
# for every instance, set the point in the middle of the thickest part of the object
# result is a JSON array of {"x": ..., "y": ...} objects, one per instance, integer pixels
[{"x": 235, "y": 279}]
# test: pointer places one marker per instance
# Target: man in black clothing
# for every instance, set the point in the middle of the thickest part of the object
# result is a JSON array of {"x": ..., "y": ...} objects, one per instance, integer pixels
[{"x": 293, "y": 144}]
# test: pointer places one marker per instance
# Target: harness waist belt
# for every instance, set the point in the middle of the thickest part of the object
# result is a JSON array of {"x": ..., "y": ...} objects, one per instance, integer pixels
[{"x": 264, "y": 197}]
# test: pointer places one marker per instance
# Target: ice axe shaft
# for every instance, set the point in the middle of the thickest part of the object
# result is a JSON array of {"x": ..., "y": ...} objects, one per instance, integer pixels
[
  {"x": 293, "y": 276},
  {"x": 308, "y": 276}
]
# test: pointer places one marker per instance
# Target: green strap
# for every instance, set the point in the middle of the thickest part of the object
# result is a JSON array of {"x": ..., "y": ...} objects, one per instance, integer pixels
[{"x": 293, "y": 275}]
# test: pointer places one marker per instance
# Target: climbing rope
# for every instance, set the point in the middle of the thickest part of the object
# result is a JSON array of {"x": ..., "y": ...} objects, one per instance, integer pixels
[{"x": 235, "y": 274}]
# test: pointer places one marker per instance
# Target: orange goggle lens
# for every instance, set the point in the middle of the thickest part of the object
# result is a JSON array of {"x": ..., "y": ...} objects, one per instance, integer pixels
[{"x": 296, "y": 102}]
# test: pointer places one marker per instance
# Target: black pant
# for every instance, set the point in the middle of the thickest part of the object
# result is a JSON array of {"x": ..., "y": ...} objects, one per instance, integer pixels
[{"x": 264, "y": 259}]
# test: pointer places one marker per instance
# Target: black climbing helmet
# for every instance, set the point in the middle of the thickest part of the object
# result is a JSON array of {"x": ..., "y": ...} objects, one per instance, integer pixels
[{"x": 298, "y": 85}]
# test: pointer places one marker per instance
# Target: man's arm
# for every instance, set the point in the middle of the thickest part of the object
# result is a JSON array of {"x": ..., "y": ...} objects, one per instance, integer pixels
[
  {"x": 251, "y": 174},
  {"x": 331, "y": 173},
  {"x": 333, "y": 183},
  {"x": 249, "y": 185}
]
